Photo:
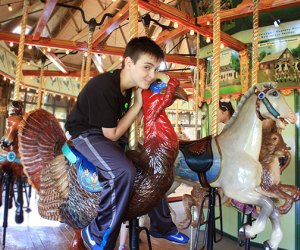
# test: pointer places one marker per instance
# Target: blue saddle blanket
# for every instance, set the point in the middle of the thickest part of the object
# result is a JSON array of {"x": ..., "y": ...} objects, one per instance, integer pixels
[
  {"x": 86, "y": 172},
  {"x": 183, "y": 171}
]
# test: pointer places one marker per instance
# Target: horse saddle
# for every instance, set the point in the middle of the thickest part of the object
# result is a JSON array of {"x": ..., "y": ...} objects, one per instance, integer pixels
[
  {"x": 86, "y": 172},
  {"x": 198, "y": 154}
]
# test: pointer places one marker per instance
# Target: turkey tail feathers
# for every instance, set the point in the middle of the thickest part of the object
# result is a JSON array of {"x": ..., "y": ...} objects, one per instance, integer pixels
[{"x": 40, "y": 141}]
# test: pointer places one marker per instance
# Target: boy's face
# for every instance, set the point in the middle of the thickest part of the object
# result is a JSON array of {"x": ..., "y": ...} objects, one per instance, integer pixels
[{"x": 143, "y": 71}]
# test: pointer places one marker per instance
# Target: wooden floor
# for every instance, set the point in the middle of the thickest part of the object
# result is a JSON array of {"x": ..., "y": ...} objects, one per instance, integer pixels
[{"x": 37, "y": 233}]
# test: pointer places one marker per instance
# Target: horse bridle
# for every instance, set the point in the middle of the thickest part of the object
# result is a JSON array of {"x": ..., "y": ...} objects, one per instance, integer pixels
[{"x": 261, "y": 97}]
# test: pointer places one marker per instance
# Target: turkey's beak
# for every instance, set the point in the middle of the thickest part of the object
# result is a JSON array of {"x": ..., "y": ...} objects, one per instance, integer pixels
[{"x": 180, "y": 94}]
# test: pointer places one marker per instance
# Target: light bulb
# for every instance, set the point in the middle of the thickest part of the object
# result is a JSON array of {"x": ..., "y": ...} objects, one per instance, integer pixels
[
  {"x": 208, "y": 39},
  {"x": 175, "y": 25},
  {"x": 11, "y": 44},
  {"x": 277, "y": 23},
  {"x": 29, "y": 46},
  {"x": 9, "y": 7},
  {"x": 67, "y": 52},
  {"x": 192, "y": 32}
]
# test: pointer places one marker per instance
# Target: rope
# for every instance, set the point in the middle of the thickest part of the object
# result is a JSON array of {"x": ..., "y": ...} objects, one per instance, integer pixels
[
  {"x": 215, "y": 68},
  {"x": 244, "y": 70},
  {"x": 40, "y": 86},
  {"x": 197, "y": 84},
  {"x": 21, "y": 51},
  {"x": 255, "y": 43},
  {"x": 133, "y": 18},
  {"x": 89, "y": 56},
  {"x": 133, "y": 29},
  {"x": 82, "y": 72},
  {"x": 44, "y": 92},
  {"x": 202, "y": 80}
]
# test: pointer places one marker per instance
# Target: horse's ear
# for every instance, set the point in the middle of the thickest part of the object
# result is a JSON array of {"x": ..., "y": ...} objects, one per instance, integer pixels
[{"x": 259, "y": 87}]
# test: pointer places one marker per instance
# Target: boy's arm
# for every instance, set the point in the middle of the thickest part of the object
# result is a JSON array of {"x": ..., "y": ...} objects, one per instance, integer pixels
[{"x": 125, "y": 122}]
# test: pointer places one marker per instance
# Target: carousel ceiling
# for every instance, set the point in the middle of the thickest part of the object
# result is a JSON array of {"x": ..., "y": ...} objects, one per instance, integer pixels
[{"x": 57, "y": 30}]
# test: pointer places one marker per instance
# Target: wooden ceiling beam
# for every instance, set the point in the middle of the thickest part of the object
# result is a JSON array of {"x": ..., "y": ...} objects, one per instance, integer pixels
[
  {"x": 184, "y": 76},
  {"x": 56, "y": 61},
  {"x": 245, "y": 8},
  {"x": 43, "y": 20},
  {"x": 181, "y": 76},
  {"x": 167, "y": 36},
  {"x": 54, "y": 73},
  {"x": 112, "y": 8},
  {"x": 82, "y": 46},
  {"x": 110, "y": 25},
  {"x": 189, "y": 22}
]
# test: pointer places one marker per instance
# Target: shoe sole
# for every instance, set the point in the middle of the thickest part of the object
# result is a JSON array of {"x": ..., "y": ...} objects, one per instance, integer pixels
[
  {"x": 84, "y": 243},
  {"x": 174, "y": 242}
]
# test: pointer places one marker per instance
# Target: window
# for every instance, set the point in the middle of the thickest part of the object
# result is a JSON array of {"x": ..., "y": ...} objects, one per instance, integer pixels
[{"x": 56, "y": 105}]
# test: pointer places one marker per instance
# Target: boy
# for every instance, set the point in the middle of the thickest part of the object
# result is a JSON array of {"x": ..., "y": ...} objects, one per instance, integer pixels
[{"x": 99, "y": 119}]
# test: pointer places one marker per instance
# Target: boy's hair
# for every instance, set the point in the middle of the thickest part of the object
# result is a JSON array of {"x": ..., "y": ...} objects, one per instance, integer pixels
[
  {"x": 226, "y": 106},
  {"x": 142, "y": 45}
]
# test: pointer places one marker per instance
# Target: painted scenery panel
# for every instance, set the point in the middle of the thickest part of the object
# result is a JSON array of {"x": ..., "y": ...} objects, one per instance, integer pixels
[{"x": 279, "y": 61}]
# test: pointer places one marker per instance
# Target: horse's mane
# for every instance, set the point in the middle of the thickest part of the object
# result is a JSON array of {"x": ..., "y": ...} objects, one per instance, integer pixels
[{"x": 245, "y": 97}]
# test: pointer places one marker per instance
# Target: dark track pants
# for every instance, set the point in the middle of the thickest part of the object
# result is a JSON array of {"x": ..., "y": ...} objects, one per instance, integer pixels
[
  {"x": 161, "y": 220},
  {"x": 116, "y": 175}
]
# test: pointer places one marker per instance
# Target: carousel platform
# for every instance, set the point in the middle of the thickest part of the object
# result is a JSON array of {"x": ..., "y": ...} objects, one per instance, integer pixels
[{"x": 37, "y": 233}]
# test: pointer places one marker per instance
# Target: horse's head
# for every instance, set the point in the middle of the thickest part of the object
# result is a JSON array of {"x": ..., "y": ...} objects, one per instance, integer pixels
[
  {"x": 11, "y": 131},
  {"x": 271, "y": 104}
]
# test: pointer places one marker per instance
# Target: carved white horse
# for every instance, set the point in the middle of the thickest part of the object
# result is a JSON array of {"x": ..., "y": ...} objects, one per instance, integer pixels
[{"x": 235, "y": 163}]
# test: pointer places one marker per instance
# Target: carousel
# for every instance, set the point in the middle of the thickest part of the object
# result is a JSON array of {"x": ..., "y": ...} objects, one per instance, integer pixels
[{"x": 219, "y": 138}]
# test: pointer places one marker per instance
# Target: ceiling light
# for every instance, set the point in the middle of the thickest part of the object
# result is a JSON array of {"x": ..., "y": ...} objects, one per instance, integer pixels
[
  {"x": 67, "y": 52},
  {"x": 9, "y": 7},
  {"x": 175, "y": 25},
  {"x": 11, "y": 44},
  {"x": 192, "y": 32},
  {"x": 29, "y": 46},
  {"x": 18, "y": 29},
  {"x": 208, "y": 39},
  {"x": 277, "y": 23},
  {"x": 162, "y": 66},
  {"x": 49, "y": 49},
  {"x": 222, "y": 45}
]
